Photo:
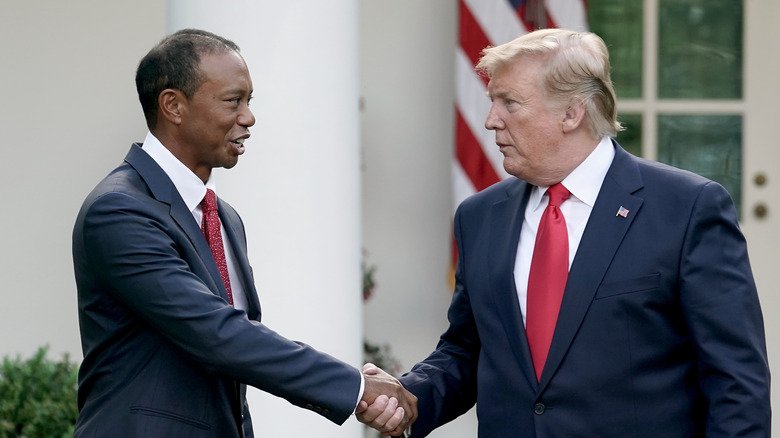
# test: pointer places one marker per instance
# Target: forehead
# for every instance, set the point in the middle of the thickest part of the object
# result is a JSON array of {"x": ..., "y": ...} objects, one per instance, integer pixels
[
  {"x": 521, "y": 74},
  {"x": 225, "y": 71}
]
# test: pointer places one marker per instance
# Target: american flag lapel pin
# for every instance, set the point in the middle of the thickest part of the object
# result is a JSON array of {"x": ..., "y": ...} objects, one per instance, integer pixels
[{"x": 622, "y": 212}]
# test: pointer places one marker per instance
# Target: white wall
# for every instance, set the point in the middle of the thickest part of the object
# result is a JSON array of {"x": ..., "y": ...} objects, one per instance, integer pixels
[
  {"x": 69, "y": 113},
  {"x": 407, "y": 66}
]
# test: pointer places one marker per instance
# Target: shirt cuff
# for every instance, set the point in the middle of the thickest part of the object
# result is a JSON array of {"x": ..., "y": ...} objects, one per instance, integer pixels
[{"x": 362, "y": 388}]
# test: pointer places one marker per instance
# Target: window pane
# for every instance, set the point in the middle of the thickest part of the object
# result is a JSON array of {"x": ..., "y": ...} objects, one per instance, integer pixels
[
  {"x": 700, "y": 49},
  {"x": 631, "y": 137},
  {"x": 619, "y": 24},
  {"x": 710, "y": 145}
]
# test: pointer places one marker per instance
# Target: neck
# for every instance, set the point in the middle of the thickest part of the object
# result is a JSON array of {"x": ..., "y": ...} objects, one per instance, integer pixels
[{"x": 181, "y": 152}]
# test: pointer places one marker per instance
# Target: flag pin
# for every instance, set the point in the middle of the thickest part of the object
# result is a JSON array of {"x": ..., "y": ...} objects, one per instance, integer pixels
[{"x": 622, "y": 212}]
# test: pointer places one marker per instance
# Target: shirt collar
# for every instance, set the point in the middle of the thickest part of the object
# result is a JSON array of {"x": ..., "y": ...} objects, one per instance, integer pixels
[
  {"x": 584, "y": 182},
  {"x": 190, "y": 187}
]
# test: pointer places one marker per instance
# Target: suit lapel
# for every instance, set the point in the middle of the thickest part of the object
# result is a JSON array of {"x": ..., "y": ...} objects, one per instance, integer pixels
[
  {"x": 236, "y": 237},
  {"x": 182, "y": 215},
  {"x": 506, "y": 218},
  {"x": 163, "y": 190},
  {"x": 602, "y": 236}
]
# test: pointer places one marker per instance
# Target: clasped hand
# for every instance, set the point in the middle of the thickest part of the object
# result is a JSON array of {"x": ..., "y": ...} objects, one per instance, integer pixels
[{"x": 386, "y": 405}]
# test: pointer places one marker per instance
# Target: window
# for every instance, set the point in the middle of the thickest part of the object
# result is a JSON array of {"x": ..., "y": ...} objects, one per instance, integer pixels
[{"x": 677, "y": 68}]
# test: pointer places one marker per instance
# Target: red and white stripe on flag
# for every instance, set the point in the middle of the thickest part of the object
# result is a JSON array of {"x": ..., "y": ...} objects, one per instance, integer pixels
[{"x": 483, "y": 23}]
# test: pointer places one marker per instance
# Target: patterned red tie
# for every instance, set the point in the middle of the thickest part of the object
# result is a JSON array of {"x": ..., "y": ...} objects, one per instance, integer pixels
[
  {"x": 211, "y": 229},
  {"x": 547, "y": 278}
]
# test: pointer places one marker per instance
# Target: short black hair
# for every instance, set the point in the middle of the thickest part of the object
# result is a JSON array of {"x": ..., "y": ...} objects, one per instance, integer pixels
[{"x": 175, "y": 63}]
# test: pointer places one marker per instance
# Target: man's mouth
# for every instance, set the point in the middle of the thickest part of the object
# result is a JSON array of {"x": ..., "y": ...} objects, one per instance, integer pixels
[{"x": 238, "y": 144}]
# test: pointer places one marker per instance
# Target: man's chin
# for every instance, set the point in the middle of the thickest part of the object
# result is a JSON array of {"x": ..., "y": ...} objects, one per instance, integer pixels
[
  {"x": 229, "y": 164},
  {"x": 513, "y": 169}
]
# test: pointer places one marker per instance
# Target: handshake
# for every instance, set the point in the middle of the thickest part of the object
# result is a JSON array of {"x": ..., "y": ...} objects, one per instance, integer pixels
[{"x": 386, "y": 405}]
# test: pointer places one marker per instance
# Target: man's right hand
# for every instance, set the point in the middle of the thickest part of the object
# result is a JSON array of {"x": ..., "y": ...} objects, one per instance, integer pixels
[{"x": 386, "y": 405}]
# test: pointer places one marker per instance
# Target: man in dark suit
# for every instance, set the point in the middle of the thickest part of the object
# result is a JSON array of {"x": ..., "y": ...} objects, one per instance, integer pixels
[
  {"x": 654, "y": 331},
  {"x": 170, "y": 318}
]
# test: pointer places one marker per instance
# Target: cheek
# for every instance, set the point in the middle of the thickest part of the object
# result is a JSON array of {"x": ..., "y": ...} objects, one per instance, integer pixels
[
  {"x": 534, "y": 144},
  {"x": 544, "y": 129},
  {"x": 524, "y": 133}
]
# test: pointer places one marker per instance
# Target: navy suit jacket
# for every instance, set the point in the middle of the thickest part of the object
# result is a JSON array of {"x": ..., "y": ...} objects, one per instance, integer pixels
[
  {"x": 659, "y": 334},
  {"x": 164, "y": 354}
]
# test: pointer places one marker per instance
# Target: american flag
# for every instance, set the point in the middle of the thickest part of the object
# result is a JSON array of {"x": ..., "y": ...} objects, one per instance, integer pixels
[{"x": 478, "y": 162}]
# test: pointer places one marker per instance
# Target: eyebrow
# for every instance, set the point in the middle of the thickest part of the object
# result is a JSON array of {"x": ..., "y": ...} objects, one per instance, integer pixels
[
  {"x": 239, "y": 91},
  {"x": 501, "y": 94}
]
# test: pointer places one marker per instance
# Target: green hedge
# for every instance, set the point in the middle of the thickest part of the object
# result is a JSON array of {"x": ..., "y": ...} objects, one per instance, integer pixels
[{"x": 38, "y": 397}]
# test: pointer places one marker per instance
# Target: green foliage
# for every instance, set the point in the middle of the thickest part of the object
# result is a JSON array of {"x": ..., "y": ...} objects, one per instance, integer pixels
[{"x": 37, "y": 397}]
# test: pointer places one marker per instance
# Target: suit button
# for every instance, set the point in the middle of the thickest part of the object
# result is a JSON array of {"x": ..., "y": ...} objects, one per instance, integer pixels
[
  {"x": 539, "y": 409},
  {"x": 325, "y": 412}
]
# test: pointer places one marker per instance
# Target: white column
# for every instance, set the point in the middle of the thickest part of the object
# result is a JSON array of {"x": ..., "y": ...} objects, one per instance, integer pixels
[{"x": 297, "y": 185}]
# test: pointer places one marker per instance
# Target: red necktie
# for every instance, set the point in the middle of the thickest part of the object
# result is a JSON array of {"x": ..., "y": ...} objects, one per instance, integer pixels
[
  {"x": 547, "y": 278},
  {"x": 211, "y": 229}
]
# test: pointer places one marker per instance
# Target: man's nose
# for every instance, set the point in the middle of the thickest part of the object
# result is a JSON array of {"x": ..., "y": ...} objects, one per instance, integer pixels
[
  {"x": 492, "y": 121},
  {"x": 246, "y": 118}
]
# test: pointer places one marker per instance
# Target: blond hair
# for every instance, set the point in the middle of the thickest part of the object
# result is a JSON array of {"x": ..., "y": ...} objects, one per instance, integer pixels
[{"x": 576, "y": 68}]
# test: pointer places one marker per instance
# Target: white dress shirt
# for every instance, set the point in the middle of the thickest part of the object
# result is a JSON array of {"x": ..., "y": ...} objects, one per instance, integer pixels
[
  {"x": 192, "y": 191},
  {"x": 584, "y": 183}
]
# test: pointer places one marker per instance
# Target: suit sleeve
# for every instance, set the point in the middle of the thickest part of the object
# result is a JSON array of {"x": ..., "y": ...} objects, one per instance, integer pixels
[
  {"x": 722, "y": 310},
  {"x": 138, "y": 262},
  {"x": 445, "y": 383}
]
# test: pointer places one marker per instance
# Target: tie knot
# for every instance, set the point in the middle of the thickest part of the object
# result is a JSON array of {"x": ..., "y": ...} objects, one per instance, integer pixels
[
  {"x": 209, "y": 202},
  {"x": 558, "y": 193}
]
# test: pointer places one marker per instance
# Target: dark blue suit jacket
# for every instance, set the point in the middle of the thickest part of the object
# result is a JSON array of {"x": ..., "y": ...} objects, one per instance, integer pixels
[
  {"x": 164, "y": 354},
  {"x": 660, "y": 333}
]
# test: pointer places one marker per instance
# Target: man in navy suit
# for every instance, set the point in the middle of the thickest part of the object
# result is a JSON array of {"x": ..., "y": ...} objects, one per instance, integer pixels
[
  {"x": 658, "y": 331},
  {"x": 170, "y": 326}
]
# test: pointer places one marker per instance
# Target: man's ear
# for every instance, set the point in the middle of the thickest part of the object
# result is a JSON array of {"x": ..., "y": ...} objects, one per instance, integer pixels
[
  {"x": 172, "y": 103},
  {"x": 574, "y": 116}
]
